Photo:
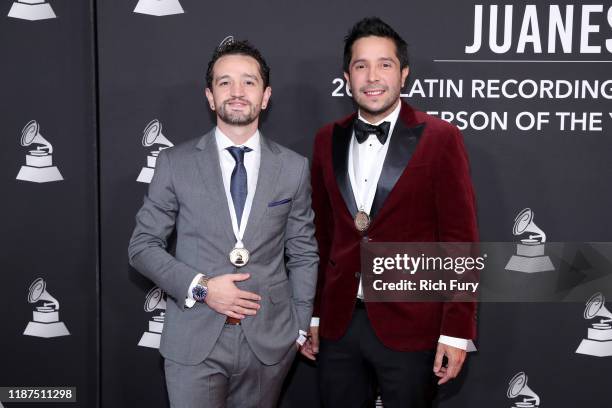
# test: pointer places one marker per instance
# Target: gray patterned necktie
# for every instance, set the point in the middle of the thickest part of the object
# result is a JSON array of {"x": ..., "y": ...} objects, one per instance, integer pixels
[{"x": 238, "y": 184}]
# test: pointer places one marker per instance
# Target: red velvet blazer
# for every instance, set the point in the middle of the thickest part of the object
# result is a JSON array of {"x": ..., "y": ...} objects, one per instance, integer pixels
[{"x": 424, "y": 195}]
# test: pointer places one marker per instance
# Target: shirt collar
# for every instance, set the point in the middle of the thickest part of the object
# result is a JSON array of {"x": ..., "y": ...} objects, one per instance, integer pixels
[{"x": 223, "y": 142}]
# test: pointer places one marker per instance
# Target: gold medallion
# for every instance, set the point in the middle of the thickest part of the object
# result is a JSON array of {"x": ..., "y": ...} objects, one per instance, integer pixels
[
  {"x": 362, "y": 221},
  {"x": 239, "y": 257}
]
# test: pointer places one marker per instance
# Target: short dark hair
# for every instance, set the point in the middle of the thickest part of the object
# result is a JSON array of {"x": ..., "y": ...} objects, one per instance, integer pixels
[
  {"x": 232, "y": 47},
  {"x": 374, "y": 26}
]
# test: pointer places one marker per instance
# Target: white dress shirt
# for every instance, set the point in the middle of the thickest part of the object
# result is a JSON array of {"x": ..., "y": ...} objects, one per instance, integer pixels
[
  {"x": 365, "y": 164},
  {"x": 227, "y": 163}
]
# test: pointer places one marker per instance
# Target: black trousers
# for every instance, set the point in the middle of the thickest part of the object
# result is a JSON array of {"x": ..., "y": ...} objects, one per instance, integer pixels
[{"x": 350, "y": 369}]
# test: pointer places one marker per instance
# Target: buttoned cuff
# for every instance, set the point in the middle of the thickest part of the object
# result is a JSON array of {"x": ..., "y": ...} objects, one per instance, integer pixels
[
  {"x": 301, "y": 337},
  {"x": 454, "y": 342},
  {"x": 189, "y": 301}
]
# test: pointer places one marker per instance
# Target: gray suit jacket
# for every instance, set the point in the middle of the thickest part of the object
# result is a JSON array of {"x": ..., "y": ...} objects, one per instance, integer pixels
[{"x": 187, "y": 195}]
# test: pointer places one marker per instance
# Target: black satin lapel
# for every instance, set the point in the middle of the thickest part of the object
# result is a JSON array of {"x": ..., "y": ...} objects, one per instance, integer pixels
[
  {"x": 404, "y": 141},
  {"x": 341, "y": 139}
]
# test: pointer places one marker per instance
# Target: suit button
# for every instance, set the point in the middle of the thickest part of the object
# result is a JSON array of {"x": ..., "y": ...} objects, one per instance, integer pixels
[
  {"x": 357, "y": 275},
  {"x": 365, "y": 238}
]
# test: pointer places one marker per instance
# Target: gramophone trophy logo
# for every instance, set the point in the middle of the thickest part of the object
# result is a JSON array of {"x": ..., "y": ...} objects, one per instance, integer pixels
[
  {"x": 159, "y": 7},
  {"x": 599, "y": 337},
  {"x": 529, "y": 256},
  {"x": 227, "y": 40},
  {"x": 152, "y": 135},
  {"x": 154, "y": 300},
  {"x": 46, "y": 321},
  {"x": 518, "y": 388},
  {"x": 39, "y": 166},
  {"x": 31, "y": 10}
]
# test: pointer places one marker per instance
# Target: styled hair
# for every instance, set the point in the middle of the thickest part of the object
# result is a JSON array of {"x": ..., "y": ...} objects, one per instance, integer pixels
[
  {"x": 374, "y": 26},
  {"x": 232, "y": 47}
]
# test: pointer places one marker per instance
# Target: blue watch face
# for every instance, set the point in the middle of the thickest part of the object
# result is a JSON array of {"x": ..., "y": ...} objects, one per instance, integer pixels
[{"x": 199, "y": 293}]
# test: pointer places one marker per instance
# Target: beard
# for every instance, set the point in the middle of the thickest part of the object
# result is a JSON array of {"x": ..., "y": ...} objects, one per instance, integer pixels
[
  {"x": 238, "y": 118},
  {"x": 388, "y": 103}
]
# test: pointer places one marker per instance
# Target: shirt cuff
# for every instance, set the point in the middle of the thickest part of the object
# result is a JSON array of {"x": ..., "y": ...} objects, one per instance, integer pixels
[
  {"x": 301, "y": 337},
  {"x": 454, "y": 342},
  {"x": 189, "y": 301},
  {"x": 314, "y": 322}
]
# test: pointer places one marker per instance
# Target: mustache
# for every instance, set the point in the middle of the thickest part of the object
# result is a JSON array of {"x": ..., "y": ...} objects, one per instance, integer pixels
[
  {"x": 373, "y": 87},
  {"x": 236, "y": 100}
]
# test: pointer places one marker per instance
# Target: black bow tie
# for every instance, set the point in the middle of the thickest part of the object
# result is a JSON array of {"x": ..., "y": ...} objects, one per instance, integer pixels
[{"x": 364, "y": 130}]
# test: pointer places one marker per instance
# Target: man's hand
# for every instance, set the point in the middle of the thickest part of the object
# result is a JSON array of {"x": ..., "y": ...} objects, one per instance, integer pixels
[
  {"x": 310, "y": 349},
  {"x": 455, "y": 356},
  {"x": 225, "y": 298}
]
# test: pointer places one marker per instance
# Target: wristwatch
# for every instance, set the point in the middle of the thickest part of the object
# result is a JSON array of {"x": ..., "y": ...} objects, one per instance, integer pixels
[{"x": 200, "y": 290}]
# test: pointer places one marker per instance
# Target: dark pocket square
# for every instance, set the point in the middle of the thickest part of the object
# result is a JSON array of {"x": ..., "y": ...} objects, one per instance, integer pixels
[{"x": 281, "y": 202}]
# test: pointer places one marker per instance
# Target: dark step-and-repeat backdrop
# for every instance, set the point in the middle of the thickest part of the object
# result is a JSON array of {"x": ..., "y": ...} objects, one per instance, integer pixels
[{"x": 91, "y": 90}]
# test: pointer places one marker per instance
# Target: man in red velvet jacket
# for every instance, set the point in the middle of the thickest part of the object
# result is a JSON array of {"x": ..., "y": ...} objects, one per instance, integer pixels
[{"x": 387, "y": 173}]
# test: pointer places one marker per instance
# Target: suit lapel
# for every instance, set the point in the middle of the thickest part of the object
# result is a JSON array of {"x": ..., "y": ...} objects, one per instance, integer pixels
[
  {"x": 341, "y": 139},
  {"x": 210, "y": 170},
  {"x": 269, "y": 170},
  {"x": 403, "y": 142}
]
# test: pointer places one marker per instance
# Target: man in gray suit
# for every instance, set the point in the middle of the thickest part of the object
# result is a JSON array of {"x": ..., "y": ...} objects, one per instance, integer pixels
[{"x": 242, "y": 280}]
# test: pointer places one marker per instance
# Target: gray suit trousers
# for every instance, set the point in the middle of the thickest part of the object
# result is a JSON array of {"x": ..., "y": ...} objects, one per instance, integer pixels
[{"x": 231, "y": 376}]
